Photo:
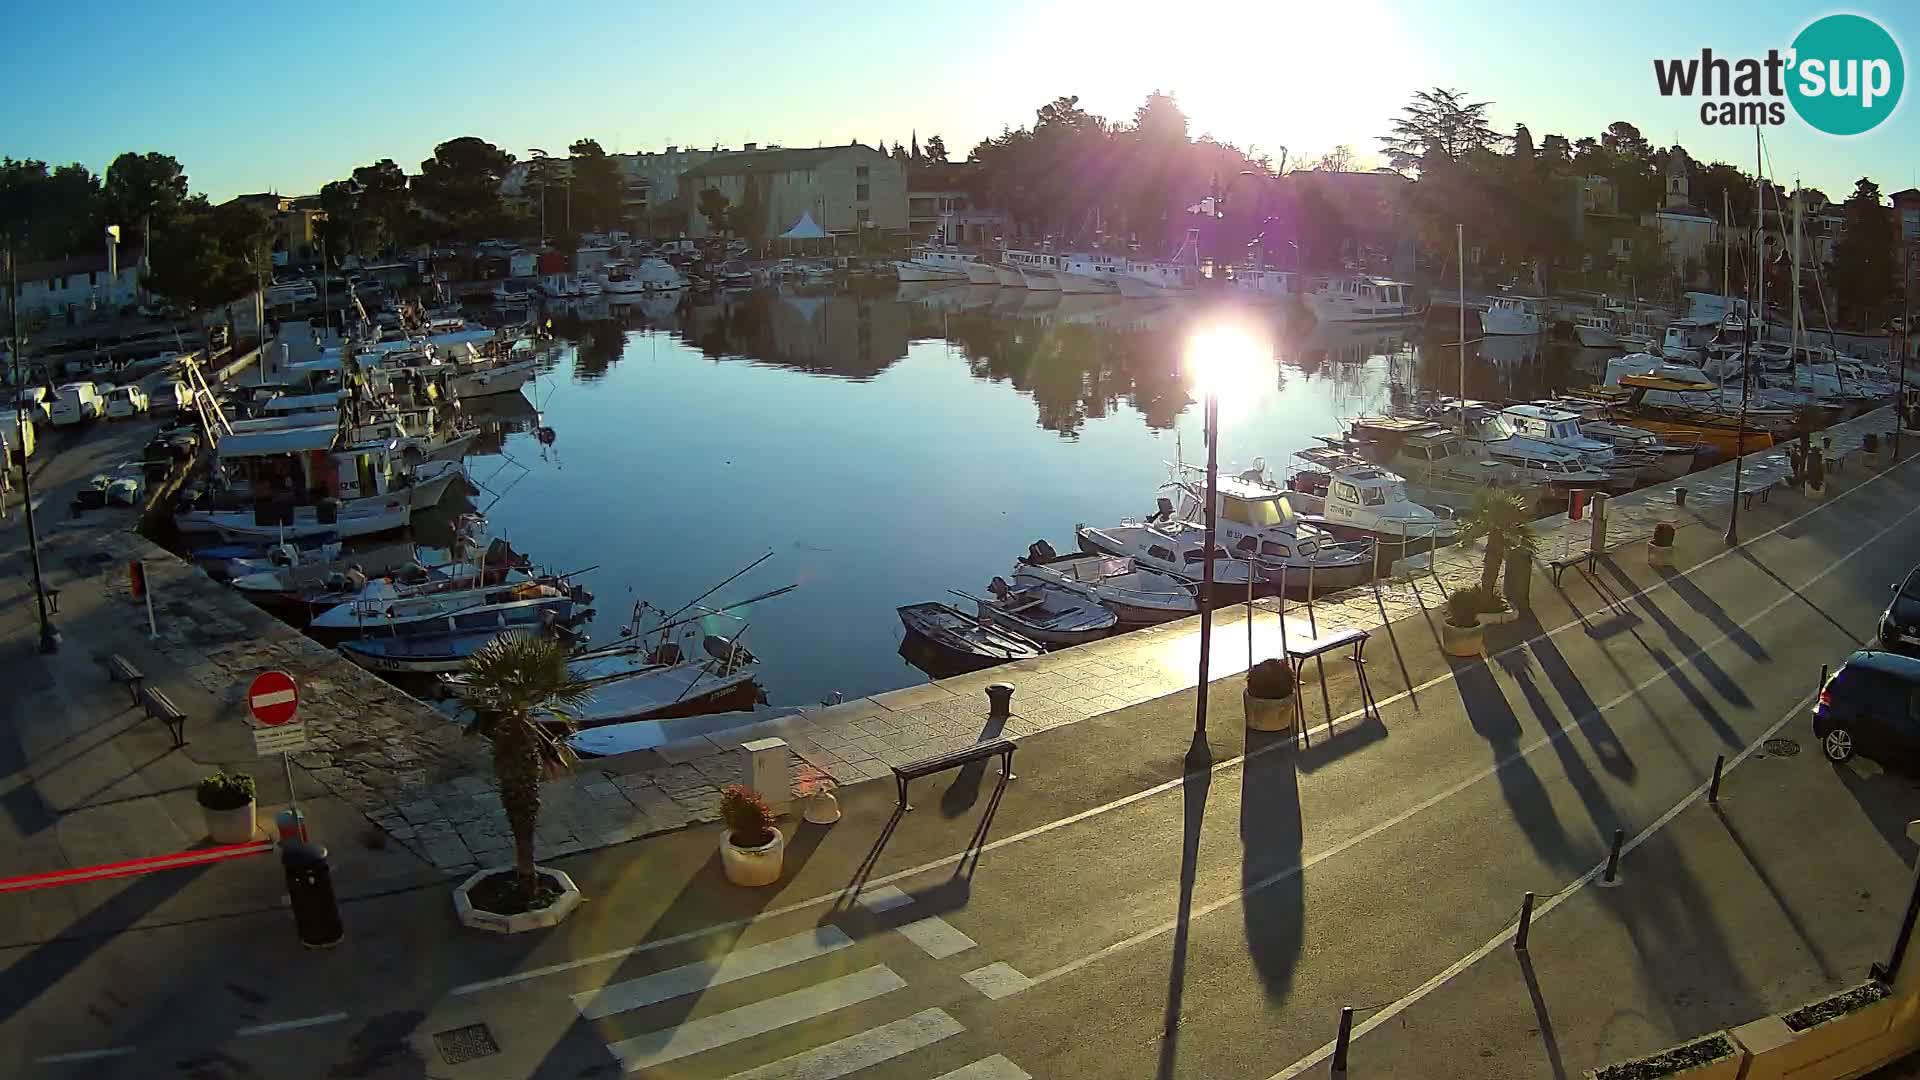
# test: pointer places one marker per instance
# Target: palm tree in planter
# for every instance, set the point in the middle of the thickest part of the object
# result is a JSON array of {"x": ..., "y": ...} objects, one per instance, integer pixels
[
  {"x": 1460, "y": 631},
  {"x": 1505, "y": 521},
  {"x": 518, "y": 689}
]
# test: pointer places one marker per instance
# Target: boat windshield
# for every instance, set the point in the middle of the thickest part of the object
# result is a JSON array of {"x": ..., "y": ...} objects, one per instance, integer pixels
[
  {"x": 1496, "y": 426},
  {"x": 1373, "y": 496},
  {"x": 1260, "y": 513},
  {"x": 1565, "y": 429}
]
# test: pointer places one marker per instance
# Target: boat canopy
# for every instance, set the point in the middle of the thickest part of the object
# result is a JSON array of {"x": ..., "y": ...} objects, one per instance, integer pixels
[
  {"x": 805, "y": 229},
  {"x": 304, "y": 402},
  {"x": 278, "y": 441}
]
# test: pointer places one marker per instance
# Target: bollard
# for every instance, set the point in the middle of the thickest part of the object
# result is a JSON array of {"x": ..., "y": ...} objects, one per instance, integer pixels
[
  {"x": 1679, "y": 496},
  {"x": 1340, "y": 1042},
  {"x": 1526, "y": 923},
  {"x": 316, "y": 914},
  {"x": 292, "y": 825},
  {"x": 1612, "y": 876},
  {"x": 1713, "y": 789},
  {"x": 1000, "y": 699}
]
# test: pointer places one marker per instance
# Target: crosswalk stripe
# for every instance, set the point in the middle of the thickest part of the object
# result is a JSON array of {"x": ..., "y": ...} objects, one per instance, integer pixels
[
  {"x": 884, "y": 898},
  {"x": 997, "y": 980},
  {"x": 937, "y": 936},
  {"x": 991, "y": 1068},
  {"x": 855, "y": 1052},
  {"x": 693, "y": 978},
  {"x": 709, "y": 1032}
]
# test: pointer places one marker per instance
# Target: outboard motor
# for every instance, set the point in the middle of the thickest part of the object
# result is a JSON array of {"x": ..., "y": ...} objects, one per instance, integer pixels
[
  {"x": 1041, "y": 552},
  {"x": 1165, "y": 511},
  {"x": 725, "y": 648},
  {"x": 999, "y": 587},
  {"x": 580, "y": 595}
]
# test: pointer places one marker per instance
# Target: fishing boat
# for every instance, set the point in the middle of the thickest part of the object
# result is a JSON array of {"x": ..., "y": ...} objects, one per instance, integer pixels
[
  {"x": 1595, "y": 331},
  {"x": 1354, "y": 499},
  {"x": 447, "y": 648},
  {"x": 1090, "y": 272},
  {"x": 1147, "y": 279},
  {"x": 224, "y": 561},
  {"x": 1177, "y": 548},
  {"x": 1513, "y": 316},
  {"x": 962, "y": 642},
  {"x": 1053, "y": 617},
  {"x": 1029, "y": 270},
  {"x": 383, "y": 610},
  {"x": 1439, "y": 466},
  {"x": 297, "y": 593},
  {"x": 932, "y": 263},
  {"x": 1361, "y": 299},
  {"x": 1136, "y": 596}
]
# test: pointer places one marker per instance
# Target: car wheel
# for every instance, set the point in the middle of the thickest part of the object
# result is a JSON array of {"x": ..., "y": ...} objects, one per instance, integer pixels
[{"x": 1837, "y": 745}]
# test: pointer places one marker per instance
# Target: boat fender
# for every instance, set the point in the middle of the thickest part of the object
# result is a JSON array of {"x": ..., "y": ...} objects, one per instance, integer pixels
[{"x": 546, "y": 436}]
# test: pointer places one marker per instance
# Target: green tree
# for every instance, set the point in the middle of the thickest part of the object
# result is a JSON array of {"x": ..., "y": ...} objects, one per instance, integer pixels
[
  {"x": 519, "y": 690},
  {"x": 1864, "y": 270},
  {"x": 936, "y": 150},
  {"x": 713, "y": 206},
  {"x": 340, "y": 229},
  {"x": 51, "y": 213},
  {"x": 597, "y": 186},
  {"x": 385, "y": 206},
  {"x": 1504, "y": 521},
  {"x": 1438, "y": 125},
  {"x": 461, "y": 184},
  {"x": 209, "y": 256},
  {"x": 144, "y": 190},
  {"x": 1649, "y": 262}
]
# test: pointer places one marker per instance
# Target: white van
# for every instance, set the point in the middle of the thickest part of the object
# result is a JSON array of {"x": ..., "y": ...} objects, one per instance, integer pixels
[
  {"x": 174, "y": 396},
  {"x": 76, "y": 403}
]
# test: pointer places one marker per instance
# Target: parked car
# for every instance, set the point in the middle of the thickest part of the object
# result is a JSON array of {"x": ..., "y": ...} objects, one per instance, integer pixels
[
  {"x": 76, "y": 403},
  {"x": 127, "y": 400},
  {"x": 1900, "y": 623},
  {"x": 1870, "y": 706}
]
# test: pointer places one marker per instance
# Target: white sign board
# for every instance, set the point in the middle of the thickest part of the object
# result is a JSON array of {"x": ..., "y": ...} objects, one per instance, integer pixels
[{"x": 284, "y": 739}]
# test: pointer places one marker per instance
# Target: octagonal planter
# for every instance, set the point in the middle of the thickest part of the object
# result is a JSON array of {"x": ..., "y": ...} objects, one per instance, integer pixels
[
  {"x": 1461, "y": 640},
  {"x": 1268, "y": 714},
  {"x": 551, "y": 915}
]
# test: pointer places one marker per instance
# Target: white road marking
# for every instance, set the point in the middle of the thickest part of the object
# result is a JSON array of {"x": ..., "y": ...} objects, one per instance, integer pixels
[
  {"x": 1542, "y": 909},
  {"x": 289, "y": 1025},
  {"x": 997, "y": 981},
  {"x": 693, "y": 978},
  {"x": 992, "y": 1068},
  {"x": 84, "y": 1055},
  {"x": 1665, "y": 584},
  {"x": 1562, "y": 732},
  {"x": 871, "y": 1047},
  {"x": 937, "y": 936},
  {"x": 710, "y": 1032},
  {"x": 883, "y": 898}
]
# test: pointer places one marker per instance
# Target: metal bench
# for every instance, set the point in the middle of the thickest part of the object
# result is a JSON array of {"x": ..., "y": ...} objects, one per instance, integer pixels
[
  {"x": 953, "y": 759},
  {"x": 1764, "y": 493},
  {"x": 1300, "y": 650},
  {"x": 161, "y": 708},
  {"x": 1558, "y": 566},
  {"x": 121, "y": 670}
]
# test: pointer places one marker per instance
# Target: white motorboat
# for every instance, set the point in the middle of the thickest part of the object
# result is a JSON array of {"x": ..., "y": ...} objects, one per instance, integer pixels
[
  {"x": 1595, "y": 331},
  {"x": 1093, "y": 272},
  {"x": 381, "y": 609},
  {"x": 1558, "y": 427},
  {"x": 1177, "y": 548},
  {"x": 483, "y": 378},
  {"x": 1253, "y": 520},
  {"x": 1686, "y": 340},
  {"x": 935, "y": 264},
  {"x": 1355, "y": 499},
  {"x": 632, "y": 683},
  {"x": 1512, "y": 316},
  {"x": 1361, "y": 299},
  {"x": 352, "y": 520},
  {"x": 1268, "y": 285},
  {"x": 1137, "y": 596},
  {"x": 1053, "y": 617},
  {"x": 618, "y": 279},
  {"x": 1489, "y": 434}
]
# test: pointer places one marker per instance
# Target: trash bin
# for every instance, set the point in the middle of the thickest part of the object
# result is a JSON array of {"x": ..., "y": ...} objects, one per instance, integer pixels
[{"x": 316, "y": 915}]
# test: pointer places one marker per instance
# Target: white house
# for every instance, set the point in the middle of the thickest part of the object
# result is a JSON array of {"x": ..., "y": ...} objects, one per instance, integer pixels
[{"x": 78, "y": 289}]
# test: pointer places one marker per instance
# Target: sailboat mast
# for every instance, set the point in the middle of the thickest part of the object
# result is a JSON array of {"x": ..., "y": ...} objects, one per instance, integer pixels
[{"x": 1460, "y": 245}]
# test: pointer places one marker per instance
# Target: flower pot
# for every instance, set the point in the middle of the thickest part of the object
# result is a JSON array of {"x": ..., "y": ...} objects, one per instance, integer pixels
[
  {"x": 1658, "y": 555},
  {"x": 1461, "y": 640},
  {"x": 822, "y": 808},
  {"x": 235, "y": 826},
  {"x": 753, "y": 866},
  {"x": 1268, "y": 714}
]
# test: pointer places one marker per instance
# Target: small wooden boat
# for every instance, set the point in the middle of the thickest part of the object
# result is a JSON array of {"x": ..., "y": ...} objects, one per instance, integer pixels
[
  {"x": 1051, "y": 616},
  {"x": 962, "y": 642},
  {"x": 1137, "y": 596}
]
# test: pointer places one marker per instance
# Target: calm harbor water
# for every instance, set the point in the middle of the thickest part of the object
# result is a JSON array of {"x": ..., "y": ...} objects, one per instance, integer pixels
[{"x": 886, "y": 448}]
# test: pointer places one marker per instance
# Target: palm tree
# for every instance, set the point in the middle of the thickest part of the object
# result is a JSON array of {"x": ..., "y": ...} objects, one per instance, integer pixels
[
  {"x": 509, "y": 683},
  {"x": 1504, "y": 520}
]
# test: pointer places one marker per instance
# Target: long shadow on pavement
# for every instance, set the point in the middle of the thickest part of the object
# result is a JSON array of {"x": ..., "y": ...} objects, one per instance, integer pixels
[
  {"x": 1600, "y": 734},
  {"x": 1697, "y": 657},
  {"x": 1271, "y": 838},
  {"x": 1600, "y": 808},
  {"x": 1195, "y": 783},
  {"x": 1493, "y": 719}
]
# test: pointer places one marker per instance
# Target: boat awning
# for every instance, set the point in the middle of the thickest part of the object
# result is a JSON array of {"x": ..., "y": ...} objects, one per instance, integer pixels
[
  {"x": 304, "y": 402},
  {"x": 805, "y": 229},
  {"x": 1654, "y": 382},
  {"x": 329, "y": 362},
  {"x": 281, "y": 441}
]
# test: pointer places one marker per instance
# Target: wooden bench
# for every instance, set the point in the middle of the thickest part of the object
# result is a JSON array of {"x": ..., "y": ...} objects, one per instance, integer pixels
[
  {"x": 121, "y": 670},
  {"x": 161, "y": 708},
  {"x": 1558, "y": 566},
  {"x": 1764, "y": 493},
  {"x": 953, "y": 759},
  {"x": 1300, "y": 650}
]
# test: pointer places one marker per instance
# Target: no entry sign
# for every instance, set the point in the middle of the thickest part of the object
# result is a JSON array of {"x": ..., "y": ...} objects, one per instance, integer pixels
[{"x": 273, "y": 697}]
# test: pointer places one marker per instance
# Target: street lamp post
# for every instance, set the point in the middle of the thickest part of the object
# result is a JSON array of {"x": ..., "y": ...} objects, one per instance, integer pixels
[
  {"x": 1746, "y": 329},
  {"x": 1212, "y": 427},
  {"x": 49, "y": 637},
  {"x": 1906, "y": 343}
]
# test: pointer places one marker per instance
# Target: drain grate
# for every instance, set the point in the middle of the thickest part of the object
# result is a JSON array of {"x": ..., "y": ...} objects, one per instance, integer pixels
[
  {"x": 1781, "y": 747},
  {"x": 463, "y": 1044}
]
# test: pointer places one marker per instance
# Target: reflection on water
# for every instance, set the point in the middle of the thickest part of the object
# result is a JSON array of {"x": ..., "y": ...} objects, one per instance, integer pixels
[{"x": 889, "y": 447}]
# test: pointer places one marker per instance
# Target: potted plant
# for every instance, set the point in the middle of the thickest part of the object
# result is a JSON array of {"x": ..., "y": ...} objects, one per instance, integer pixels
[
  {"x": 1269, "y": 686},
  {"x": 1660, "y": 545},
  {"x": 822, "y": 807},
  {"x": 1460, "y": 633},
  {"x": 1504, "y": 520},
  {"x": 751, "y": 847},
  {"x": 226, "y": 800},
  {"x": 518, "y": 690}
]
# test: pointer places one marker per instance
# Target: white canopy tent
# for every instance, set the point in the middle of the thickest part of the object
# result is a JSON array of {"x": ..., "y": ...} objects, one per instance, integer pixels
[{"x": 805, "y": 229}]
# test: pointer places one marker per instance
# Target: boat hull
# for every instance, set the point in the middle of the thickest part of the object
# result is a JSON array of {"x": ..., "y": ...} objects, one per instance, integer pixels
[
  {"x": 500, "y": 380},
  {"x": 913, "y": 271},
  {"x": 979, "y": 273},
  {"x": 1040, "y": 280},
  {"x": 1083, "y": 283},
  {"x": 1593, "y": 337},
  {"x": 392, "y": 516},
  {"x": 1009, "y": 278}
]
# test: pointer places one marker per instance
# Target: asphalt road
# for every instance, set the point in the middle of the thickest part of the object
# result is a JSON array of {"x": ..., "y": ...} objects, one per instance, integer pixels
[{"x": 1209, "y": 928}]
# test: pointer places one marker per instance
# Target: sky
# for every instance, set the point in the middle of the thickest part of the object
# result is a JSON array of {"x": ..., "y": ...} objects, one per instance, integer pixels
[{"x": 254, "y": 97}]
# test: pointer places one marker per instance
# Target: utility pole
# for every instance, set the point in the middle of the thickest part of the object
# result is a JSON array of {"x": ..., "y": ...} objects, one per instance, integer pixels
[
  {"x": 49, "y": 637},
  {"x": 1212, "y": 425},
  {"x": 1746, "y": 335},
  {"x": 1906, "y": 343},
  {"x": 1460, "y": 253}
]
